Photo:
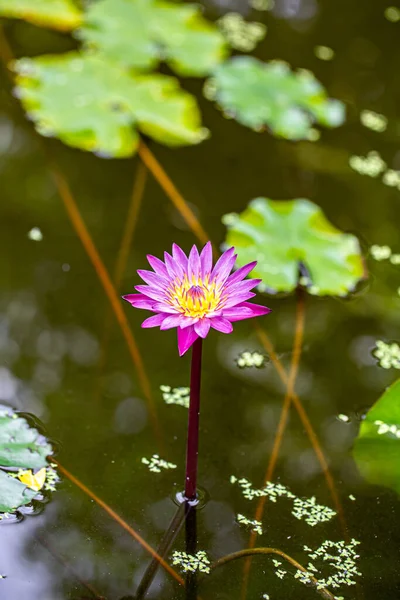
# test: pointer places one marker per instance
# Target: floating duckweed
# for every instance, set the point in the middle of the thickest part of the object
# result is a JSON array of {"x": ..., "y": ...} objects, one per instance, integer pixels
[
  {"x": 178, "y": 395},
  {"x": 343, "y": 418},
  {"x": 385, "y": 428},
  {"x": 392, "y": 13},
  {"x": 380, "y": 252},
  {"x": 373, "y": 120},
  {"x": 324, "y": 52},
  {"x": 303, "y": 508},
  {"x": 192, "y": 562},
  {"x": 395, "y": 259},
  {"x": 251, "y": 359},
  {"x": 276, "y": 563},
  {"x": 388, "y": 355},
  {"x": 251, "y": 523},
  {"x": 313, "y": 135},
  {"x": 280, "y": 573},
  {"x": 391, "y": 178},
  {"x": 339, "y": 555},
  {"x": 35, "y": 234},
  {"x": 52, "y": 478},
  {"x": 371, "y": 165},
  {"x": 156, "y": 463},
  {"x": 262, "y": 5},
  {"x": 240, "y": 34}
]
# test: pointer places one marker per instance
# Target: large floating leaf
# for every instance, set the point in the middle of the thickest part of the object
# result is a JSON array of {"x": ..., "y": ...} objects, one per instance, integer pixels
[
  {"x": 140, "y": 33},
  {"x": 95, "y": 105},
  {"x": 377, "y": 448},
  {"x": 23, "y": 450},
  {"x": 261, "y": 95},
  {"x": 13, "y": 493},
  {"x": 284, "y": 236},
  {"x": 56, "y": 14}
]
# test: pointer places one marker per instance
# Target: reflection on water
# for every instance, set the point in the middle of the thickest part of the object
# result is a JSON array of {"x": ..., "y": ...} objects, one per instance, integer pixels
[{"x": 55, "y": 362}]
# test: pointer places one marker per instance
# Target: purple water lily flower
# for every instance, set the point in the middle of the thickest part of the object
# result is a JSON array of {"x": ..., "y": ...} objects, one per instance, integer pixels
[{"x": 188, "y": 293}]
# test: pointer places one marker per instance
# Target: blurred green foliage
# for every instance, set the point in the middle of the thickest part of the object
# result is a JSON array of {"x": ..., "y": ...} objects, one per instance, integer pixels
[
  {"x": 141, "y": 33},
  {"x": 93, "y": 104},
  {"x": 260, "y": 95},
  {"x": 56, "y": 14},
  {"x": 377, "y": 447},
  {"x": 284, "y": 235}
]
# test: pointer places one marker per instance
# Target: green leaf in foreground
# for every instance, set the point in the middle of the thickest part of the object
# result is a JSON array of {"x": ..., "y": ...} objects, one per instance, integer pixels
[
  {"x": 63, "y": 15},
  {"x": 377, "y": 447},
  {"x": 95, "y": 105},
  {"x": 260, "y": 95},
  {"x": 23, "y": 459},
  {"x": 284, "y": 236},
  {"x": 141, "y": 33}
]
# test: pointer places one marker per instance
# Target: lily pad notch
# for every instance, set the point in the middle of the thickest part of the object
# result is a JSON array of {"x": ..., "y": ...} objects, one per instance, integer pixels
[
  {"x": 25, "y": 472},
  {"x": 295, "y": 244}
]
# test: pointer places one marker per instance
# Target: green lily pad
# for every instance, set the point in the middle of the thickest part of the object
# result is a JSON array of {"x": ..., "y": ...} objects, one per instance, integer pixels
[
  {"x": 63, "y": 15},
  {"x": 22, "y": 447},
  {"x": 287, "y": 237},
  {"x": 95, "y": 105},
  {"x": 141, "y": 33},
  {"x": 260, "y": 95},
  {"x": 20, "y": 444},
  {"x": 13, "y": 493},
  {"x": 377, "y": 447}
]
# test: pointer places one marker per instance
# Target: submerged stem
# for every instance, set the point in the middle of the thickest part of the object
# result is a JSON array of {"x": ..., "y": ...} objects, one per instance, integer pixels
[
  {"x": 191, "y": 547},
  {"x": 192, "y": 448}
]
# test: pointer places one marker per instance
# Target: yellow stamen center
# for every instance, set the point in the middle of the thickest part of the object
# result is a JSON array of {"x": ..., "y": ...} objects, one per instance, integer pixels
[{"x": 194, "y": 298}]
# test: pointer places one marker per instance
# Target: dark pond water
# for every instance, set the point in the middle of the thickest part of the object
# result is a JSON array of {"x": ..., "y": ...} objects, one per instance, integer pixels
[{"x": 58, "y": 363}]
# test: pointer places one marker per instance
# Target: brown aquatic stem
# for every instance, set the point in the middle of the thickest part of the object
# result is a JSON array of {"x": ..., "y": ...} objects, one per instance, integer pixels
[
  {"x": 118, "y": 519},
  {"x": 172, "y": 192},
  {"x": 257, "y": 551},
  {"x": 297, "y": 345}
]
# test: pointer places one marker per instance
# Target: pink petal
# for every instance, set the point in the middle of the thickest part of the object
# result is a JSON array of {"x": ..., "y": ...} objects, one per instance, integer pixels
[
  {"x": 246, "y": 310},
  {"x": 153, "y": 279},
  {"x": 206, "y": 260},
  {"x": 157, "y": 265},
  {"x": 194, "y": 265},
  {"x": 187, "y": 321},
  {"x": 221, "y": 324},
  {"x": 172, "y": 321},
  {"x": 151, "y": 292},
  {"x": 165, "y": 308},
  {"x": 154, "y": 321},
  {"x": 174, "y": 269},
  {"x": 179, "y": 256},
  {"x": 186, "y": 337},
  {"x": 241, "y": 287},
  {"x": 139, "y": 301},
  {"x": 202, "y": 327},
  {"x": 224, "y": 266},
  {"x": 240, "y": 273},
  {"x": 237, "y": 299}
]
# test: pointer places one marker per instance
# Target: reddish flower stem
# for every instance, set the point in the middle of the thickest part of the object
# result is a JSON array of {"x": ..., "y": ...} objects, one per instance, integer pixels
[{"x": 192, "y": 448}]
